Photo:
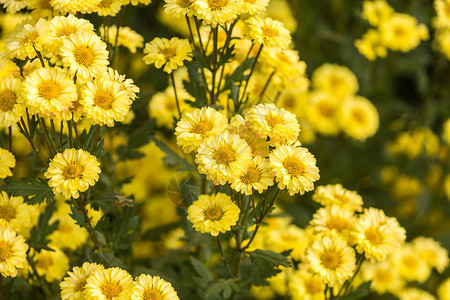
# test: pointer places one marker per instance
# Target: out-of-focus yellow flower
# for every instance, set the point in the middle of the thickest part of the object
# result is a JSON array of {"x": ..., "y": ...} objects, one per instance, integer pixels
[
  {"x": 336, "y": 80},
  {"x": 13, "y": 252},
  {"x": 74, "y": 6},
  {"x": 377, "y": 12},
  {"x": 167, "y": 20},
  {"x": 158, "y": 211},
  {"x": 7, "y": 162},
  {"x": 331, "y": 220},
  {"x": 153, "y": 287},
  {"x": 444, "y": 290},
  {"x": 415, "y": 294},
  {"x": 323, "y": 112},
  {"x": 168, "y": 53},
  {"x": 385, "y": 278},
  {"x": 254, "y": 7},
  {"x": 371, "y": 45},
  {"x": 112, "y": 283},
  {"x": 9, "y": 22},
  {"x": 217, "y": 12},
  {"x": 179, "y": 8},
  {"x": 406, "y": 187},
  {"x": 14, "y": 213},
  {"x": 358, "y": 117},
  {"x": 127, "y": 37},
  {"x": 72, "y": 286},
  {"x": 281, "y": 10},
  {"x": 68, "y": 234},
  {"x": 52, "y": 265},
  {"x": 268, "y": 32},
  {"x": 336, "y": 194},
  {"x": 432, "y": 252},
  {"x": 13, "y": 6},
  {"x": 289, "y": 237},
  {"x": 262, "y": 292},
  {"x": 410, "y": 264},
  {"x": 442, "y": 8},
  {"x": 108, "y": 7},
  {"x": 415, "y": 142},
  {"x": 175, "y": 239}
]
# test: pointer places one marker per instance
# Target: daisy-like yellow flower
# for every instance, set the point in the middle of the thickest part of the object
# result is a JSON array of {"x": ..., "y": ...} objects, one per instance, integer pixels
[
  {"x": 258, "y": 176},
  {"x": 254, "y": 7},
  {"x": 7, "y": 162},
  {"x": 289, "y": 237},
  {"x": 267, "y": 120},
  {"x": 126, "y": 84},
  {"x": 14, "y": 213},
  {"x": 268, "y": 32},
  {"x": 442, "y": 8},
  {"x": 333, "y": 220},
  {"x": 371, "y": 46},
  {"x": 223, "y": 157},
  {"x": 74, "y": 6},
  {"x": 332, "y": 259},
  {"x": 106, "y": 284},
  {"x": 85, "y": 55},
  {"x": 49, "y": 91},
  {"x": 335, "y": 194},
  {"x": 358, "y": 117},
  {"x": 377, "y": 235},
  {"x": 179, "y": 8},
  {"x": 432, "y": 252},
  {"x": 13, "y": 252},
  {"x": 196, "y": 126},
  {"x": 336, "y": 80},
  {"x": 105, "y": 101},
  {"x": 294, "y": 168},
  {"x": 258, "y": 145},
  {"x": 108, "y": 7},
  {"x": 72, "y": 171},
  {"x": 217, "y": 12},
  {"x": 384, "y": 277},
  {"x": 415, "y": 294},
  {"x": 153, "y": 287},
  {"x": 168, "y": 53},
  {"x": 25, "y": 40},
  {"x": 323, "y": 113},
  {"x": 444, "y": 290},
  {"x": 377, "y": 11},
  {"x": 13, "y": 6},
  {"x": 127, "y": 37},
  {"x": 52, "y": 265},
  {"x": 213, "y": 214},
  {"x": 11, "y": 104},
  {"x": 305, "y": 285},
  {"x": 72, "y": 286},
  {"x": 68, "y": 234}
]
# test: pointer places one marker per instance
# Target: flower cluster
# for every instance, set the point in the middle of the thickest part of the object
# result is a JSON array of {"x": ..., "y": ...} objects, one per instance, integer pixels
[{"x": 441, "y": 23}]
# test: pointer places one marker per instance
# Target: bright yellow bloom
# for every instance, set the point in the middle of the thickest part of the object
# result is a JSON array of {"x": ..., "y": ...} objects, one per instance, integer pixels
[
  {"x": 105, "y": 101},
  {"x": 49, "y": 92},
  {"x": 217, "y": 12},
  {"x": 258, "y": 145},
  {"x": 106, "y": 284},
  {"x": 213, "y": 214},
  {"x": 13, "y": 252},
  {"x": 294, "y": 168},
  {"x": 332, "y": 260},
  {"x": 432, "y": 252},
  {"x": 336, "y": 80},
  {"x": 71, "y": 172},
  {"x": 68, "y": 234},
  {"x": 85, "y": 55},
  {"x": 7, "y": 162},
  {"x": 13, "y": 6},
  {"x": 254, "y": 7},
  {"x": 127, "y": 37},
  {"x": 444, "y": 290},
  {"x": 332, "y": 220},
  {"x": 126, "y": 84},
  {"x": 14, "y": 213},
  {"x": 377, "y": 235},
  {"x": 415, "y": 294},
  {"x": 329, "y": 195},
  {"x": 168, "y": 53},
  {"x": 420, "y": 141},
  {"x": 446, "y": 131},
  {"x": 323, "y": 113},
  {"x": 384, "y": 277},
  {"x": 442, "y": 8},
  {"x": 358, "y": 117},
  {"x": 52, "y": 265},
  {"x": 377, "y": 12},
  {"x": 267, "y": 120},
  {"x": 108, "y": 7},
  {"x": 196, "y": 126},
  {"x": 179, "y": 8},
  {"x": 223, "y": 158},
  {"x": 74, "y": 6},
  {"x": 153, "y": 287},
  {"x": 371, "y": 45},
  {"x": 281, "y": 10},
  {"x": 25, "y": 40},
  {"x": 72, "y": 286},
  {"x": 289, "y": 237},
  {"x": 258, "y": 176},
  {"x": 268, "y": 32},
  {"x": 11, "y": 104}
]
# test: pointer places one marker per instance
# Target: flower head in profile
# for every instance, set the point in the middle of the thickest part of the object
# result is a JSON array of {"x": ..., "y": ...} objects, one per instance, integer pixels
[
  {"x": 72, "y": 172},
  {"x": 168, "y": 53},
  {"x": 254, "y": 7},
  {"x": 25, "y": 40},
  {"x": 127, "y": 37},
  {"x": 13, "y": 6},
  {"x": 336, "y": 194},
  {"x": 106, "y": 284},
  {"x": 213, "y": 214},
  {"x": 294, "y": 168},
  {"x": 432, "y": 252},
  {"x": 179, "y": 8},
  {"x": 11, "y": 104},
  {"x": 258, "y": 176},
  {"x": 153, "y": 287},
  {"x": 72, "y": 287},
  {"x": 217, "y": 12},
  {"x": 108, "y": 7},
  {"x": 13, "y": 252},
  {"x": 268, "y": 32},
  {"x": 7, "y": 162}
]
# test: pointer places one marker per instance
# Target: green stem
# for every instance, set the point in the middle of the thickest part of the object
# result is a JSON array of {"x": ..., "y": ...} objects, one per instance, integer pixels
[
  {"x": 224, "y": 260},
  {"x": 172, "y": 79},
  {"x": 76, "y": 134},
  {"x": 97, "y": 134},
  {"x": 116, "y": 46},
  {"x": 10, "y": 145},
  {"x": 214, "y": 64},
  {"x": 251, "y": 72},
  {"x": 266, "y": 86},
  {"x": 41, "y": 59},
  {"x": 47, "y": 139},
  {"x": 345, "y": 288},
  {"x": 69, "y": 128}
]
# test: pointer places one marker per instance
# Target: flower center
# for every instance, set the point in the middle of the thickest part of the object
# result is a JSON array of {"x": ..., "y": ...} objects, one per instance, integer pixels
[
  {"x": 251, "y": 176},
  {"x": 330, "y": 259},
  {"x": 7, "y": 212},
  {"x": 168, "y": 52},
  {"x": 7, "y": 100},
  {"x": 410, "y": 262},
  {"x": 30, "y": 37},
  {"x": 73, "y": 171},
  {"x": 224, "y": 155},
  {"x": 399, "y": 31},
  {"x": 270, "y": 31},
  {"x": 337, "y": 223},
  {"x": 79, "y": 287},
  {"x": 49, "y": 90},
  {"x": 341, "y": 198},
  {"x": 44, "y": 4},
  {"x": 359, "y": 116},
  {"x": 105, "y": 3},
  {"x": 383, "y": 276},
  {"x": 325, "y": 109},
  {"x": 66, "y": 31},
  {"x": 201, "y": 127},
  {"x": 217, "y": 4},
  {"x": 44, "y": 262},
  {"x": 313, "y": 286},
  {"x": 273, "y": 120},
  {"x": 293, "y": 166},
  {"x": 213, "y": 213},
  {"x": 103, "y": 99},
  {"x": 184, "y": 3},
  {"x": 335, "y": 81},
  {"x": 373, "y": 236},
  {"x": 152, "y": 295},
  {"x": 5, "y": 251},
  {"x": 83, "y": 56},
  {"x": 110, "y": 290}
]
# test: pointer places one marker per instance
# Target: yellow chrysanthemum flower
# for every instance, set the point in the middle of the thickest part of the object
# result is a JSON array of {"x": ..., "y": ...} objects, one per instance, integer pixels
[
  {"x": 85, "y": 55},
  {"x": 371, "y": 45},
  {"x": 377, "y": 12},
  {"x": 68, "y": 234},
  {"x": 126, "y": 84},
  {"x": 415, "y": 294},
  {"x": 223, "y": 158},
  {"x": 442, "y": 8},
  {"x": 14, "y": 213},
  {"x": 108, "y": 7},
  {"x": 358, "y": 117},
  {"x": 217, "y": 12},
  {"x": 305, "y": 285},
  {"x": 25, "y": 40},
  {"x": 52, "y": 265},
  {"x": 49, "y": 92},
  {"x": 432, "y": 252},
  {"x": 71, "y": 172},
  {"x": 13, "y": 6},
  {"x": 332, "y": 259},
  {"x": 377, "y": 235},
  {"x": 11, "y": 104},
  {"x": 74, "y": 6},
  {"x": 72, "y": 286},
  {"x": 254, "y": 7},
  {"x": 196, "y": 126},
  {"x": 289, "y": 237},
  {"x": 268, "y": 32},
  {"x": 179, "y": 8},
  {"x": 213, "y": 214},
  {"x": 13, "y": 252},
  {"x": 258, "y": 145},
  {"x": 336, "y": 80},
  {"x": 168, "y": 53},
  {"x": 105, "y": 101},
  {"x": 153, "y": 287},
  {"x": 323, "y": 113},
  {"x": 258, "y": 176},
  {"x": 112, "y": 283},
  {"x": 333, "y": 220},
  {"x": 294, "y": 168},
  {"x": 7, "y": 162},
  {"x": 444, "y": 290},
  {"x": 384, "y": 277},
  {"x": 267, "y": 120},
  {"x": 329, "y": 195},
  {"x": 127, "y": 37}
]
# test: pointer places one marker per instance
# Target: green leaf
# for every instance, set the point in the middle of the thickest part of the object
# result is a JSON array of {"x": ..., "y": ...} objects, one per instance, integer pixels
[
  {"x": 138, "y": 138},
  {"x": 108, "y": 259},
  {"x": 195, "y": 86},
  {"x": 172, "y": 158},
  {"x": 361, "y": 292},
  {"x": 77, "y": 216},
  {"x": 124, "y": 229},
  {"x": 224, "y": 287},
  {"x": 155, "y": 234},
  {"x": 267, "y": 263},
  {"x": 40, "y": 232},
  {"x": 35, "y": 191},
  {"x": 204, "y": 273}
]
